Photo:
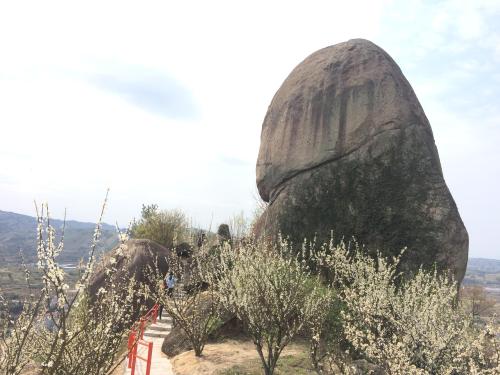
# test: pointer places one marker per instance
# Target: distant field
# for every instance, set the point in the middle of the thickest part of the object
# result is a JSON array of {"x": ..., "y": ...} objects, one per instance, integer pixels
[
  {"x": 484, "y": 272},
  {"x": 491, "y": 280},
  {"x": 13, "y": 282}
]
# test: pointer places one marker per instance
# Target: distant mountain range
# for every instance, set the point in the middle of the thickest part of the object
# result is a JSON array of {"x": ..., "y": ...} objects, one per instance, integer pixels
[{"x": 19, "y": 232}]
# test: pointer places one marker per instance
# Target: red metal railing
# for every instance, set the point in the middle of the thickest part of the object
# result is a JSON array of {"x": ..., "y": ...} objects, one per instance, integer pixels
[{"x": 136, "y": 338}]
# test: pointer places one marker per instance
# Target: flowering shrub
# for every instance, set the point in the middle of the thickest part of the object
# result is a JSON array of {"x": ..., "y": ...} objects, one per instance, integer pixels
[
  {"x": 271, "y": 291},
  {"x": 406, "y": 326},
  {"x": 193, "y": 305},
  {"x": 17, "y": 338},
  {"x": 64, "y": 331}
]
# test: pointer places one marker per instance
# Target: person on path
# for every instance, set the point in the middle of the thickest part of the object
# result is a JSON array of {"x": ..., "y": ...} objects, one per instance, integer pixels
[
  {"x": 160, "y": 310},
  {"x": 170, "y": 282}
]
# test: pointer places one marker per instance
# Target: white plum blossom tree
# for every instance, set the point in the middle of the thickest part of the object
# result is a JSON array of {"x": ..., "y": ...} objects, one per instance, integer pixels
[
  {"x": 194, "y": 304},
  {"x": 63, "y": 330},
  {"x": 271, "y": 291},
  {"x": 406, "y": 325}
]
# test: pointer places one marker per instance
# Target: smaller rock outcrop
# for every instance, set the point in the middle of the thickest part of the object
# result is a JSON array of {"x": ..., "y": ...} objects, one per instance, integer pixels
[
  {"x": 184, "y": 250},
  {"x": 223, "y": 233},
  {"x": 131, "y": 260}
]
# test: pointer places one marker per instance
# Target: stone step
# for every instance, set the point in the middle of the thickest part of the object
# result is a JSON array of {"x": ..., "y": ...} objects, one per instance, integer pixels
[
  {"x": 156, "y": 335},
  {"x": 164, "y": 320},
  {"x": 162, "y": 328}
]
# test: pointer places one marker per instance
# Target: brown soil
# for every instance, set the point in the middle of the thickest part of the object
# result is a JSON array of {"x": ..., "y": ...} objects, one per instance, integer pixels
[{"x": 218, "y": 357}]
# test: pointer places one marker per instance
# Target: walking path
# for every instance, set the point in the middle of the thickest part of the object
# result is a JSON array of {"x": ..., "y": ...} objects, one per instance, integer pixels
[{"x": 160, "y": 364}]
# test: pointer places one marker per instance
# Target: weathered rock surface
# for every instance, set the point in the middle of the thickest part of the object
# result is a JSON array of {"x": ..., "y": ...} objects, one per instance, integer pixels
[
  {"x": 223, "y": 233},
  {"x": 346, "y": 146},
  {"x": 131, "y": 260}
]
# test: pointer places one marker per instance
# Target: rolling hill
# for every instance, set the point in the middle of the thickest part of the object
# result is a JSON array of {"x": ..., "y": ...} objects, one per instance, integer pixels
[{"x": 18, "y": 232}]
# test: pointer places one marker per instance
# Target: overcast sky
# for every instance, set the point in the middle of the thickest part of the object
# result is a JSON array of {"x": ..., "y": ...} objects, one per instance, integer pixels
[{"x": 163, "y": 102}]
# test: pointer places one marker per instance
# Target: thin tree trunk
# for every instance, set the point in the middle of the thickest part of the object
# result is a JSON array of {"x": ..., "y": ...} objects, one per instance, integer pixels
[{"x": 267, "y": 370}]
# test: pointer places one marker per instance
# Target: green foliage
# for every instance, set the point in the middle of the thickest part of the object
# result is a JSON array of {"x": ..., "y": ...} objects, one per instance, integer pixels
[{"x": 166, "y": 227}]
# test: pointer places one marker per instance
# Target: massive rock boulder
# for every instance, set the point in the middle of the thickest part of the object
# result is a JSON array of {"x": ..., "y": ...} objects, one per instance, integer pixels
[{"x": 346, "y": 146}]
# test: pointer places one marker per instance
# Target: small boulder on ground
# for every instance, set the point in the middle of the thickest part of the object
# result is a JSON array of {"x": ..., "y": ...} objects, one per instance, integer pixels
[
  {"x": 184, "y": 250},
  {"x": 223, "y": 233}
]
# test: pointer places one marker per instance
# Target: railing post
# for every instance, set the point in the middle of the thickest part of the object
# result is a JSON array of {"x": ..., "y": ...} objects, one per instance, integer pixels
[
  {"x": 136, "y": 337},
  {"x": 142, "y": 328},
  {"x": 131, "y": 342},
  {"x": 150, "y": 355},
  {"x": 155, "y": 313},
  {"x": 134, "y": 358}
]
